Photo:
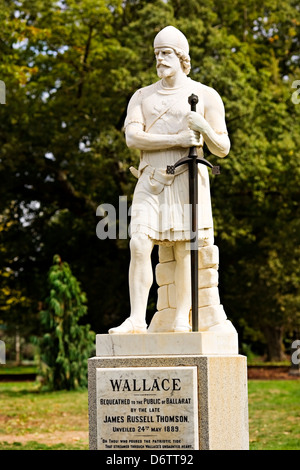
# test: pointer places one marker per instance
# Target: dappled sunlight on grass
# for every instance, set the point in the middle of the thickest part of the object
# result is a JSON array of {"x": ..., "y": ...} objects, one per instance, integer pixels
[{"x": 30, "y": 419}]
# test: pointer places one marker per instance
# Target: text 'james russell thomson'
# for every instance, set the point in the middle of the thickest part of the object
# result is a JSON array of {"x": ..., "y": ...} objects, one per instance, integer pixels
[{"x": 146, "y": 419}]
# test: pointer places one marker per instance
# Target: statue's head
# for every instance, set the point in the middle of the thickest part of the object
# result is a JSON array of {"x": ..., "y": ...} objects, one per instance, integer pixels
[{"x": 172, "y": 38}]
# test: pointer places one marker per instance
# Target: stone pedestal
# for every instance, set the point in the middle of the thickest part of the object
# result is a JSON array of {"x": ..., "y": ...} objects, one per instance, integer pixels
[
  {"x": 210, "y": 310},
  {"x": 167, "y": 391}
]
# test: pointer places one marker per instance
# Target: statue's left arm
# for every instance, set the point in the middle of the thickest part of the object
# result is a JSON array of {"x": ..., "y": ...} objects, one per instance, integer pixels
[{"x": 212, "y": 125}]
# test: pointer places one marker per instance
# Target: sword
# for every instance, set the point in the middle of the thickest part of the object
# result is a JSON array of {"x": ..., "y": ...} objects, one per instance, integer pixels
[{"x": 192, "y": 159}]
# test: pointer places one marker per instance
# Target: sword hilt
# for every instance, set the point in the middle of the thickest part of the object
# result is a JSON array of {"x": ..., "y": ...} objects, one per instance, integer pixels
[{"x": 193, "y": 100}]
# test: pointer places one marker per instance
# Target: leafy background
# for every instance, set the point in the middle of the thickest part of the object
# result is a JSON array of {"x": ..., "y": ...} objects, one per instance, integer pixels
[{"x": 70, "y": 68}]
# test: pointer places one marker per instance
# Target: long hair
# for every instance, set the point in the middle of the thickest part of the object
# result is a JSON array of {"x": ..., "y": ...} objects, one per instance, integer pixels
[{"x": 185, "y": 60}]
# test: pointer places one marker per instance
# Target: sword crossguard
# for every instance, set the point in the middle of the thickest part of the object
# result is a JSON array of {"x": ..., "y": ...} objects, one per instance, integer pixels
[
  {"x": 170, "y": 170},
  {"x": 188, "y": 160},
  {"x": 216, "y": 170}
]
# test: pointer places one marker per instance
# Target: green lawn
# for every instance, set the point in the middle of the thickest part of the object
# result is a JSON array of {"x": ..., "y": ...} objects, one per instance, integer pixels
[
  {"x": 59, "y": 420},
  {"x": 51, "y": 420},
  {"x": 274, "y": 414},
  {"x": 11, "y": 369}
]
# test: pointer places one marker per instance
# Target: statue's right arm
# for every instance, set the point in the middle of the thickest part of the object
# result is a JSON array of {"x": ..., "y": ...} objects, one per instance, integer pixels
[{"x": 138, "y": 138}]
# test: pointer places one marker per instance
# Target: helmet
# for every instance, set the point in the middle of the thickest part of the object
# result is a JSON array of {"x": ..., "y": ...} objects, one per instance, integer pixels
[{"x": 171, "y": 37}]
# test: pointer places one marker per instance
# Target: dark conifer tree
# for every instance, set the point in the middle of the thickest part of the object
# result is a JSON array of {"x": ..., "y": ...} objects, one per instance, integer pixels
[{"x": 66, "y": 345}]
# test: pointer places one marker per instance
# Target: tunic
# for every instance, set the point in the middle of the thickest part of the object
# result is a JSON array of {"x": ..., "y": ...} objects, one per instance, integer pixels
[{"x": 160, "y": 207}]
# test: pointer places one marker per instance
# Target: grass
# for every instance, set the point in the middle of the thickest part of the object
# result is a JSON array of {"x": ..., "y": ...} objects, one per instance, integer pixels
[
  {"x": 274, "y": 414},
  {"x": 34, "y": 445},
  {"x": 18, "y": 370},
  {"x": 59, "y": 419},
  {"x": 35, "y": 420}
]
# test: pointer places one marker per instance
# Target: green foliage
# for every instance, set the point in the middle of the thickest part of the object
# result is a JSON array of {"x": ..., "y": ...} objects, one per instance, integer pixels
[
  {"x": 70, "y": 69},
  {"x": 66, "y": 345}
]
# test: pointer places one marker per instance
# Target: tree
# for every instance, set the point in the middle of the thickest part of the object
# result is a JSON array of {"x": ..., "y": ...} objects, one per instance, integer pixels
[
  {"x": 70, "y": 68},
  {"x": 255, "y": 201},
  {"x": 66, "y": 345}
]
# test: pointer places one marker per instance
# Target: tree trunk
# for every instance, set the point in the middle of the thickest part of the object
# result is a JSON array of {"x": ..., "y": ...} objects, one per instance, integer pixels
[{"x": 274, "y": 338}]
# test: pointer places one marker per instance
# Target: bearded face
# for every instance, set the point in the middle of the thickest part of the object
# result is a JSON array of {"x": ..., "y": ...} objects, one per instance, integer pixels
[{"x": 167, "y": 62}]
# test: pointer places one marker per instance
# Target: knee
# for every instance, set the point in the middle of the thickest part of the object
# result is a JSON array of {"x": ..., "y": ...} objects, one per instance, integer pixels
[{"x": 139, "y": 248}]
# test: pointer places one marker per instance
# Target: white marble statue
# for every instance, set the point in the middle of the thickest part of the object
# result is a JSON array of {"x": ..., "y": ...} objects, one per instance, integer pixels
[{"x": 160, "y": 124}]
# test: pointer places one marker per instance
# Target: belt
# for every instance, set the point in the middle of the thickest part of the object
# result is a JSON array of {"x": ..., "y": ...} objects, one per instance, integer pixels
[
  {"x": 158, "y": 174},
  {"x": 158, "y": 178}
]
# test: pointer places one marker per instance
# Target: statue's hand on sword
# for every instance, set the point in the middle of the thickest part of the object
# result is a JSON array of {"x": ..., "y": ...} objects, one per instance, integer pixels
[
  {"x": 188, "y": 138},
  {"x": 197, "y": 123}
]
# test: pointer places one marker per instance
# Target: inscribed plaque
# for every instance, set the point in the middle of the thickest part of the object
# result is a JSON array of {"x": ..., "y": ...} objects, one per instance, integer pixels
[{"x": 147, "y": 408}]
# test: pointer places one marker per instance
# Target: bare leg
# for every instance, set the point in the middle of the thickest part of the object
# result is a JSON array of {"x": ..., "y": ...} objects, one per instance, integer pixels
[
  {"x": 140, "y": 276},
  {"x": 183, "y": 286},
  {"x": 140, "y": 281}
]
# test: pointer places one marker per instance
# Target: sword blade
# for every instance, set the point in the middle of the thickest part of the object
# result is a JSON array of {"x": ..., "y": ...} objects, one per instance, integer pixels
[{"x": 193, "y": 189}]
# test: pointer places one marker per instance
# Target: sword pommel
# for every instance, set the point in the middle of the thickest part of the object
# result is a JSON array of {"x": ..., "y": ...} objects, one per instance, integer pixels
[{"x": 193, "y": 100}]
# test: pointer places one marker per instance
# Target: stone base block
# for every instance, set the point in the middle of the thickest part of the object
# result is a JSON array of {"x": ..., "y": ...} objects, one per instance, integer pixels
[
  {"x": 208, "y": 278},
  {"x": 208, "y": 256},
  {"x": 165, "y": 273},
  {"x": 162, "y": 321},
  {"x": 168, "y": 402},
  {"x": 208, "y": 296},
  {"x": 209, "y": 316},
  {"x": 150, "y": 344}
]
